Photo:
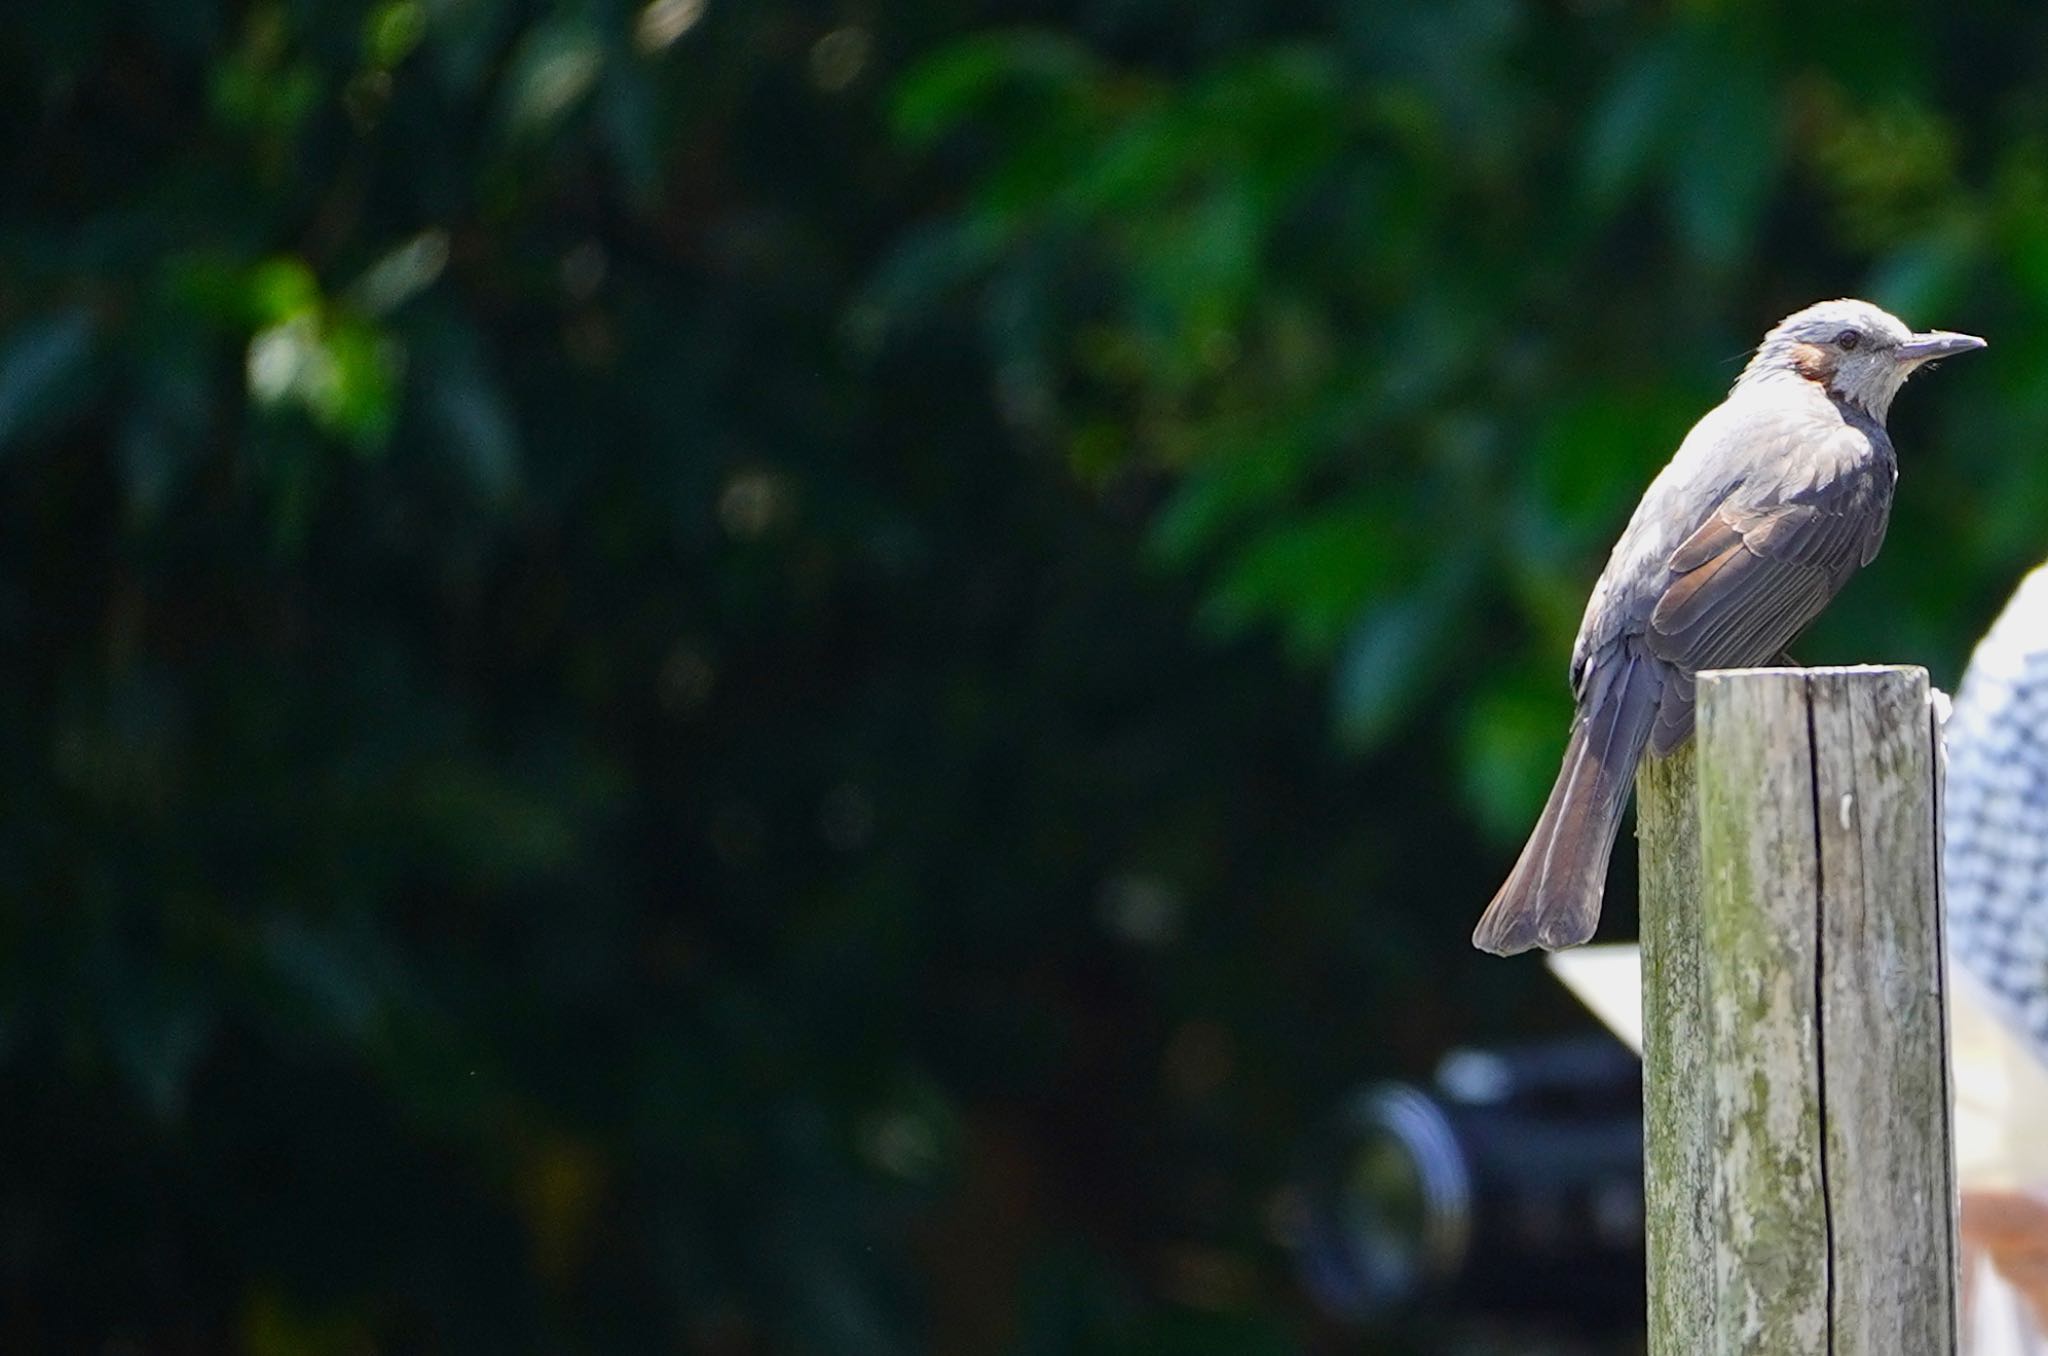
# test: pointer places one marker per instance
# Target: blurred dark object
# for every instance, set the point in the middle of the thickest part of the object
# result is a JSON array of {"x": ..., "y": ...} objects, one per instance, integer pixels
[{"x": 1512, "y": 1187}]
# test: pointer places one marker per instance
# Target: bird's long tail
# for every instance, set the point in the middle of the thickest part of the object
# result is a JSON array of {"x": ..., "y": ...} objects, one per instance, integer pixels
[{"x": 1552, "y": 898}]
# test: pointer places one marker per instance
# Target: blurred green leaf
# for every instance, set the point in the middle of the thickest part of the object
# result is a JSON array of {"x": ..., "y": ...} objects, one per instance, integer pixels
[
  {"x": 1591, "y": 457},
  {"x": 472, "y": 416},
  {"x": 1238, "y": 487},
  {"x": 1628, "y": 134},
  {"x": 392, "y": 30},
  {"x": 1514, "y": 737},
  {"x": 1928, "y": 277},
  {"x": 630, "y": 115},
  {"x": 1383, "y": 676},
  {"x": 401, "y": 274},
  {"x": 1727, "y": 152},
  {"x": 160, "y": 1028},
  {"x": 335, "y": 975},
  {"x": 556, "y": 66},
  {"x": 944, "y": 89},
  {"x": 45, "y": 374},
  {"x": 282, "y": 290},
  {"x": 260, "y": 87},
  {"x": 1313, "y": 576}
]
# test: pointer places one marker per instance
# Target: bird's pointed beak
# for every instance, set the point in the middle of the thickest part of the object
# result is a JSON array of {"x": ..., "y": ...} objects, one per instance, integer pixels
[{"x": 1937, "y": 344}]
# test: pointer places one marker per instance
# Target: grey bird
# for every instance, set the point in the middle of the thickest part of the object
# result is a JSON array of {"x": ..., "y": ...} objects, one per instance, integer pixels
[{"x": 1775, "y": 498}]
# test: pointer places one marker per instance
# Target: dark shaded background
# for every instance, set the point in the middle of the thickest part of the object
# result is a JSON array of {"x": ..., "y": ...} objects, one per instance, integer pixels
[{"x": 752, "y": 676}]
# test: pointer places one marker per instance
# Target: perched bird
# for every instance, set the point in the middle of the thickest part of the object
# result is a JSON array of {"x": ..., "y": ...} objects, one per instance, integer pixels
[
  {"x": 1775, "y": 498},
  {"x": 1995, "y": 816}
]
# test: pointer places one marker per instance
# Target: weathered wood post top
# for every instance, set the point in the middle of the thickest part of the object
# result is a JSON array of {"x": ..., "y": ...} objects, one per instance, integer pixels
[{"x": 1799, "y": 1180}]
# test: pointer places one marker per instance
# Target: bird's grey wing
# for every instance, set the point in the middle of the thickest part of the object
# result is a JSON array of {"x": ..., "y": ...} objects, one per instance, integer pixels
[
  {"x": 1765, "y": 562},
  {"x": 1747, "y": 582}
]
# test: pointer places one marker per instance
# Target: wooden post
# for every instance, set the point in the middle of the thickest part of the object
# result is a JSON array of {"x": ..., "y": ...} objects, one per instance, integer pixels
[
  {"x": 1677, "y": 1113},
  {"x": 1799, "y": 1174}
]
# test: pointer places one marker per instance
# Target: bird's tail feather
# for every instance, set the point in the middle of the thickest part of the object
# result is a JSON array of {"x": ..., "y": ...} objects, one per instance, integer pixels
[{"x": 1552, "y": 897}]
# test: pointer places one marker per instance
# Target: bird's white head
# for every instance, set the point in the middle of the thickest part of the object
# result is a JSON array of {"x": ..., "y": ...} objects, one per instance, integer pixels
[{"x": 1859, "y": 353}]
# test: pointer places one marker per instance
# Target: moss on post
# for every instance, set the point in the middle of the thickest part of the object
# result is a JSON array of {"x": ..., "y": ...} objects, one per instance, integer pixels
[
  {"x": 1677, "y": 1168},
  {"x": 1798, "y": 1184}
]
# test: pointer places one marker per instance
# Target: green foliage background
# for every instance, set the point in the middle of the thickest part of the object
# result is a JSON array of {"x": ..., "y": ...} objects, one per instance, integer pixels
[{"x": 803, "y": 676}]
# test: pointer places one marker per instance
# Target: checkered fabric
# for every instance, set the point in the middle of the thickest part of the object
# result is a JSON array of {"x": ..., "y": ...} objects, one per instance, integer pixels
[{"x": 1995, "y": 855}]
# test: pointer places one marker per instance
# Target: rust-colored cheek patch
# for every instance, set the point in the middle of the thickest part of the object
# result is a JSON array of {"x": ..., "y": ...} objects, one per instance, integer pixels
[{"x": 1812, "y": 362}]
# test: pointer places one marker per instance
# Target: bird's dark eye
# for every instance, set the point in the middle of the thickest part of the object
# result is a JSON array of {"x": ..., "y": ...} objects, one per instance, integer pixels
[{"x": 1847, "y": 341}]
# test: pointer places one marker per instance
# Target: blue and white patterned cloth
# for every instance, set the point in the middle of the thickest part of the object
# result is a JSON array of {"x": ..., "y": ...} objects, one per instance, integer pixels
[{"x": 1995, "y": 854}]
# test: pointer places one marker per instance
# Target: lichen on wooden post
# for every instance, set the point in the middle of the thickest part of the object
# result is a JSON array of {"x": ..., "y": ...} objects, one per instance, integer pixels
[
  {"x": 1884, "y": 1024},
  {"x": 1677, "y": 1167},
  {"x": 1799, "y": 1187}
]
